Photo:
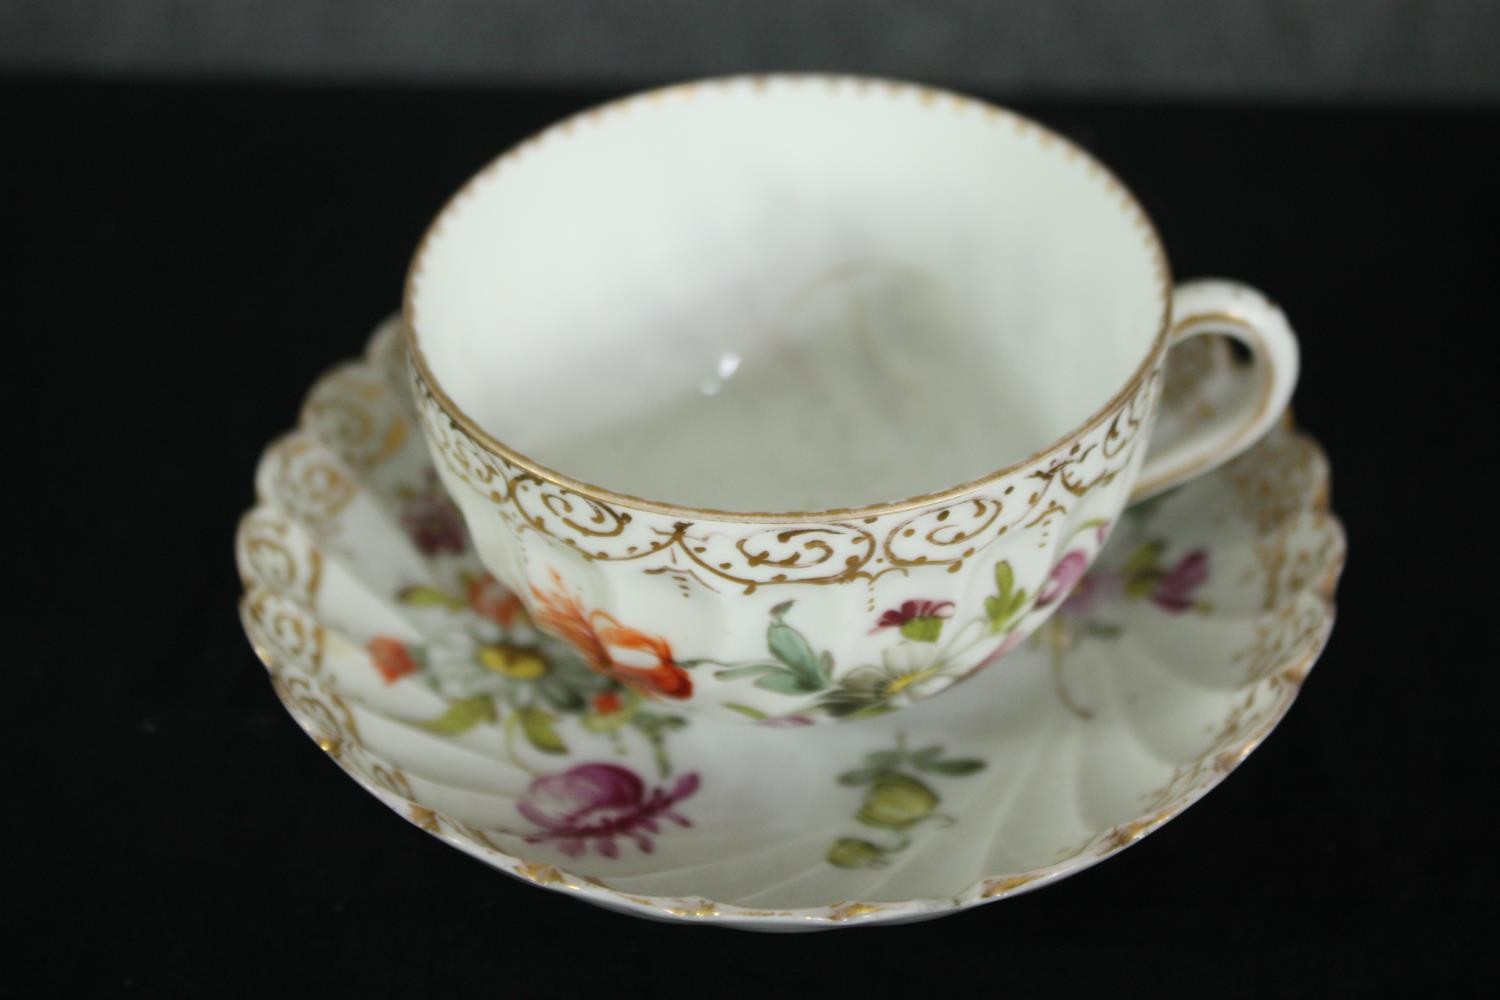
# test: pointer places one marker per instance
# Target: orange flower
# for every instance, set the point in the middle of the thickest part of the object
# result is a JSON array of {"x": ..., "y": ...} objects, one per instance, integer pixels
[
  {"x": 392, "y": 658},
  {"x": 641, "y": 662},
  {"x": 607, "y": 703},
  {"x": 490, "y": 599}
]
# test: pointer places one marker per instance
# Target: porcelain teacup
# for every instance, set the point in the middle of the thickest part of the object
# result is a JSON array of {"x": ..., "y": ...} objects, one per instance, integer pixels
[{"x": 887, "y": 359}]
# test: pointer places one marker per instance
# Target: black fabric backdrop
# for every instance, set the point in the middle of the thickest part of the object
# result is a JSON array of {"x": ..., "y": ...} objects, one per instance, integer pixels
[{"x": 191, "y": 257}]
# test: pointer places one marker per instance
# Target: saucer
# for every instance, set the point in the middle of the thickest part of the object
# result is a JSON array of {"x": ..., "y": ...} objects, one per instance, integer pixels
[{"x": 424, "y": 679}]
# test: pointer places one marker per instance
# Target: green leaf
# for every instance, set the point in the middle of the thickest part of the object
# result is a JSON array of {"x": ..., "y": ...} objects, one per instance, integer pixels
[
  {"x": 1102, "y": 630},
  {"x": 747, "y": 711},
  {"x": 841, "y": 704},
  {"x": 420, "y": 597},
  {"x": 825, "y": 668},
  {"x": 1144, "y": 559},
  {"x": 1006, "y": 606},
  {"x": 860, "y": 776},
  {"x": 748, "y": 670},
  {"x": 598, "y": 722},
  {"x": 1007, "y": 603},
  {"x": 602, "y": 722},
  {"x": 884, "y": 758},
  {"x": 926, "y": 754},
  {"x": 851, "y": 852},
  {"x": 657, "y": 720},
  {"x": 954, "y": 768},
  {"x": 1141, "y": 586},
  {"x": 462, "y": 715},
  {"x": 923, "y": 629},
  {"x": 1005, "y": 581},
  {"x": 560, "y": 695},
  {"x": 785, "y": 682},
  {"x": 536, "y": 723},
  {"x": 788, "y": 646},
  {"x": 897, "y": 801},
  {"x": 655, "y": 723}
]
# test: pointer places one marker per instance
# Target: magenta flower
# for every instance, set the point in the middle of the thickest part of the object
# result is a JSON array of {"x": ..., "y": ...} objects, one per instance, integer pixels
[
  {"x": 433, "y": 524},
  {"x": 597, "y": 803},
  {"x": 911, "y": 610},
  {"x": 1065, "y": 575},
  {"x": 919, "y": 620},
  {"x": 1175, "y": 591}
]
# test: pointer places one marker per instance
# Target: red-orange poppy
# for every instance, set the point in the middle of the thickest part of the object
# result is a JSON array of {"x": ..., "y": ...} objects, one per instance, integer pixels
[
  {"x": 392, "y": 658},
  {"x": 641, "y": 662}
]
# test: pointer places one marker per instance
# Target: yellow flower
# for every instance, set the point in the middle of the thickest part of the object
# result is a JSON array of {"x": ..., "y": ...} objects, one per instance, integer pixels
[{"x": 513, "y": 662}]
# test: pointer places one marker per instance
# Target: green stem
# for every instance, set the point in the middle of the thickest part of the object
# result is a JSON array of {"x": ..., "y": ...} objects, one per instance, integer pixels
[
  {"x": 948, "y": 653},
  {"x": 945, "y": 652},
  {"x": 659, "y": 749}
]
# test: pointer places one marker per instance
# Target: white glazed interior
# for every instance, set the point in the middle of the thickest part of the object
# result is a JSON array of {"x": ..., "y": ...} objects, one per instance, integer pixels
[{"x": 791, "y": 294}]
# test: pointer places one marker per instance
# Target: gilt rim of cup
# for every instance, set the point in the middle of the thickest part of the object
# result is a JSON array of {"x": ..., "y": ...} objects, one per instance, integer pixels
[{"x": 930, "y": 96}]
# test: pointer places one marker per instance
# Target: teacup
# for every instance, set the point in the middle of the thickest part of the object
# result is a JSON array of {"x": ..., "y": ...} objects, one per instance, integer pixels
[{"x": 798, "y": 310}]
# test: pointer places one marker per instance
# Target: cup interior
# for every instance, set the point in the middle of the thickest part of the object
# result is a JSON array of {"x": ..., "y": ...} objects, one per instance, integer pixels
[{"x": 787, "y": 294}]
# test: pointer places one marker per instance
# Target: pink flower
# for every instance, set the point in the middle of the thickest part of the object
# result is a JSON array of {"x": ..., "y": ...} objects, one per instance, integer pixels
[
  {"x": 1065, "y": 575},
  {"x": 597, "y": 803},
  {"x": 1175, "y": 590}
]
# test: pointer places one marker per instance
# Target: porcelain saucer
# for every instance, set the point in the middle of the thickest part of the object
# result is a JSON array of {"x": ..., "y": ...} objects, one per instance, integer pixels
[{"x": 423, "y": 679}]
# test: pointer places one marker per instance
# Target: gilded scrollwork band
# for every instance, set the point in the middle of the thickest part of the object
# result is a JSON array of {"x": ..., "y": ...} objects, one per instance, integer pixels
[
  {"x": 839, "y": 550},
  {"x": 354, "y": 413}
]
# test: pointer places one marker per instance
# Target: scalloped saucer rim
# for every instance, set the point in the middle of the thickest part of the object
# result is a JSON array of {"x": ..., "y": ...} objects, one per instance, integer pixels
[{"x": 281, "y": 617}]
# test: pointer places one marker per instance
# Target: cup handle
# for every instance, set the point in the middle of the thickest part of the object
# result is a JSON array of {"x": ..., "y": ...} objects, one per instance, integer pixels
[{"x": 1239, "y": 311}]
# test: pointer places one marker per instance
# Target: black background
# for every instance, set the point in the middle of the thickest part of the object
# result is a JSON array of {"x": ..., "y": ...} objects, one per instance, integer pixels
[{"x": 192, "y": 256}]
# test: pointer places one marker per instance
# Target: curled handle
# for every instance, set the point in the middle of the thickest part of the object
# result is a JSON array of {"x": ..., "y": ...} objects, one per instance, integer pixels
[{"x": 1216, "y": 306}]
